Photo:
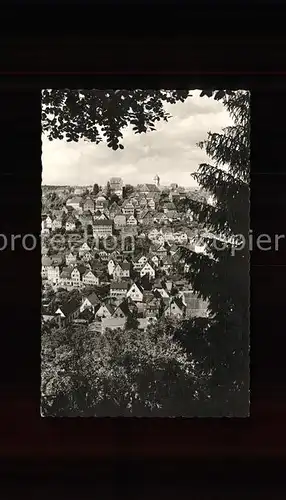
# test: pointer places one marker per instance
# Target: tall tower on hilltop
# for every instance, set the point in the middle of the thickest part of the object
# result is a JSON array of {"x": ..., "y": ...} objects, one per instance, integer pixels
[{"x": 157, "y": 180}]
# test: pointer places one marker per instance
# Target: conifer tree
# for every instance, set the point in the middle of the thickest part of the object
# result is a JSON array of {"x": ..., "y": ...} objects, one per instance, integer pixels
[{"x": 221, "y": 274}]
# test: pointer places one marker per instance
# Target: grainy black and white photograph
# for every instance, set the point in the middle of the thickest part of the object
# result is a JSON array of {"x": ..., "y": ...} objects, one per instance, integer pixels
[{"x": 145, "y": 253}]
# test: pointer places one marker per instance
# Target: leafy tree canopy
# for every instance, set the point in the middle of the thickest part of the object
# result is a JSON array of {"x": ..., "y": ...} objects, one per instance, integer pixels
[
  {"x": 98, "y": 115},
  {"x": 116, "y": 373}
]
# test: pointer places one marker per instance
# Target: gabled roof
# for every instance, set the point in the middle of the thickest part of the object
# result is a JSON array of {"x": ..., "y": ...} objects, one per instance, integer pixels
[
  {"x": 89, "y": 200},
  {"x": 107, "y": 306},
  {"x": 148, "y": 296},
  {"x": 93, "y": 299},
  {"x": 112, "y": 258},
  {"x": 102, "y": 222},
  {"x": 146, "y": 213},
  {"x": 101, "y": 194},
  {"x": 81, "y": 268},
  {"x": 84, "y": 245},
  {"x": 69, "y": 307},
  {"x": 127, "y": 202},
  {"x": 147, "y": 187},
  {"x": 148, "y": 263},
  {"x": 114, "y": 206},
  {"x": 154, "y": 256},
  {"x": 179, "y": 302},
  {"x": 119, "y": 285},
  {"x": 124, "y": 307},
  {"x": 88, "y": 271},
  {"x": 125, "y": 266},
  {"x": 70, "y": 219},
  {"x": 140, "y": 288},
  {"x": 139, "y": 257}
]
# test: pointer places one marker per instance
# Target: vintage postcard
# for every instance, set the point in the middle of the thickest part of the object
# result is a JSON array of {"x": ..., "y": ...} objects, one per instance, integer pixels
[{"x": 145, "y": 253}]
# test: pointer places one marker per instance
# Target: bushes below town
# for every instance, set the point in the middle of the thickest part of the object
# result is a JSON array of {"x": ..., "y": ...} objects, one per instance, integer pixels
[{"x": 118, "y": 373}]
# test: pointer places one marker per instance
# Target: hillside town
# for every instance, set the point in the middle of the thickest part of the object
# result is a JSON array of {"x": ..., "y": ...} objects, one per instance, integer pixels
[{"x": 111, "y": 255}]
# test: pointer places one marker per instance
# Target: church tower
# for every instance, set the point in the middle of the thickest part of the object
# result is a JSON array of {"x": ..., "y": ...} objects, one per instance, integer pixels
[{"x": 157, "y": 180}]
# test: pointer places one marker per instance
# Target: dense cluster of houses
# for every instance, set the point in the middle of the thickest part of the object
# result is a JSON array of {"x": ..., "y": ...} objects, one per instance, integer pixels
[{"x": 127, "y": 246}]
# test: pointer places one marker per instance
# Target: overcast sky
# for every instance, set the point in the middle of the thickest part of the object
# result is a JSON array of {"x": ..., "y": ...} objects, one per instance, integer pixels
[{"x": 170, "y": 151}]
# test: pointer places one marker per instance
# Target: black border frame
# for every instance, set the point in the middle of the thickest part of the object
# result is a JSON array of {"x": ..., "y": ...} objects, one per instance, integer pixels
[{"x": 57, "y": 450}]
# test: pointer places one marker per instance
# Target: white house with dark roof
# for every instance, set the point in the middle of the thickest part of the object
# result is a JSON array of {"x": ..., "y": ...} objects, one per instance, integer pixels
[
  {"x": 65, "y": 277},
  {"x": 70, "y": 259},
  {"x": 68, "y": 311},
  {"x": 70, "y": 224},
  {"x": 83, "y": 249},
  {"x": 102, "y": 228},
  {"x": 89, "y": 278},
  {"x": 103, "y": 311},
  {"x": 76, "y": 277},
  {"x": 127, "y": 208},
  {"x": 147, "y": 269},
  {"x": 122, "y": 270},
  {"x": 139, "y": 262},
  {"x": 118, "y": 289},
  {"x": 114, "y": 210},
  {"x": 101, "y": 215},
  {"x": 131, "y": 220},
  {"x": 175, "y": 308},
  {"x": 48, "y": 222},
  {"x": 89, "y": 205},
  {"x": 135, "y": 293},
  {"x": 123, "y": 310},
  {"x": 90, "y": 302}
]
